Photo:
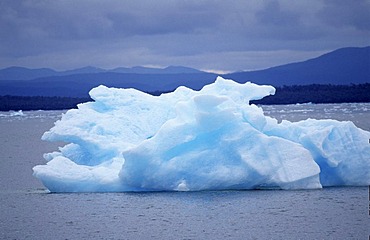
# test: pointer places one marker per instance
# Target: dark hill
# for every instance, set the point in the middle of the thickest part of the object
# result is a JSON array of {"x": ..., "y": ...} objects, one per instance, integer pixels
[{"x": 340, "y": 67}]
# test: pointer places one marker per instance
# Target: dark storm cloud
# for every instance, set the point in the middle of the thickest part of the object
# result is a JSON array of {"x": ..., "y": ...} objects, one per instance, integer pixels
[
  {"x": 277, "y": 22},
  {"x": 223, "y": 35},
  {"x": 162, "y": 18},
  {"x": 272, "y": 14},
  {"x": 105, "y": 19},
  {"x": 64, "y": 22},
  {"x": 354, "y": 14}
]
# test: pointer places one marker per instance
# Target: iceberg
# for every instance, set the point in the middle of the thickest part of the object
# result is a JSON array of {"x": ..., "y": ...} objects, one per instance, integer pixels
[{"x": 186, "y": 140}]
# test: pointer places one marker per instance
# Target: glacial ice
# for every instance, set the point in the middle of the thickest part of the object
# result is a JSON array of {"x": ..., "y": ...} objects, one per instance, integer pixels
[{"x": 186, "y": 140}]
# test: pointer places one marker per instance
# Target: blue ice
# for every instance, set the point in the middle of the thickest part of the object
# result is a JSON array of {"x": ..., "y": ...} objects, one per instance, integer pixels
[{"x": 186, "y": 140}]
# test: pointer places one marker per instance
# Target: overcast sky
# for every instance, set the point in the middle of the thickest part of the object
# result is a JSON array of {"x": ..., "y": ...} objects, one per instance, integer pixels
[{"x": 208, "y": 35}]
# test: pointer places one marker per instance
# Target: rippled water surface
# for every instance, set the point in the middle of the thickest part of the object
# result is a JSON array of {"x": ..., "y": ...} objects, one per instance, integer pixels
[
  {"x": 29, "y": 212},
  {"x": 358, "y": 113}
]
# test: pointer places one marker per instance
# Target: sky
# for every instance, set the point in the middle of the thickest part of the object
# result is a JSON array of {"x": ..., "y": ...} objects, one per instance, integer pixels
[{"x": 220, "y": 36}]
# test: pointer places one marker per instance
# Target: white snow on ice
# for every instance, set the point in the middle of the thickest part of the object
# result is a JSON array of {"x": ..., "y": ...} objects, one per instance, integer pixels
[{"x": 212, "y": 139}]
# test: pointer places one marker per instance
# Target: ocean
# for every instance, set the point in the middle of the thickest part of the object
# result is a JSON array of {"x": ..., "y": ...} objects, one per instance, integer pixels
[{"x": 28, "y": 211}]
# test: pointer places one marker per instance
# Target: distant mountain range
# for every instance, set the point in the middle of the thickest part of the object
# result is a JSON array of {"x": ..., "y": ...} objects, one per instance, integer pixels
[
  {"x": 22, "y": 73},
  {"x": 341, "y": 67}
]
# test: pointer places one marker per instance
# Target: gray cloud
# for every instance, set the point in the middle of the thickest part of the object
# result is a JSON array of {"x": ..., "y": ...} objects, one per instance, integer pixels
[
  {"x": 342, "y": 13},
  {"x": 224, "y": 35},
  {"x": 272, "y": 14}
]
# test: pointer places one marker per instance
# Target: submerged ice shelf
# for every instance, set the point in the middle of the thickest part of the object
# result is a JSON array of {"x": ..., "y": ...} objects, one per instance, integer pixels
[{"x": 127, "y": 140}]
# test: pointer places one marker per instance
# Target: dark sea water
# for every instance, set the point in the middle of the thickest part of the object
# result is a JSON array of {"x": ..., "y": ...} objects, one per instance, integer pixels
[{"x": 28, "y": 211}]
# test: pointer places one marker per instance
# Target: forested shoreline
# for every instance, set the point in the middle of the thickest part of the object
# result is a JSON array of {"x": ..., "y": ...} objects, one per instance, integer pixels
[
  {"x": 26, "y": 103},
  {"x": 318, "y": 93},
  {"x": 315, "y": 93}
]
